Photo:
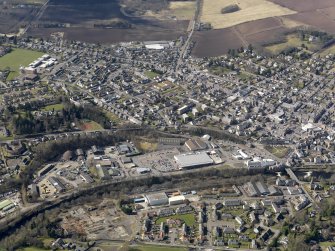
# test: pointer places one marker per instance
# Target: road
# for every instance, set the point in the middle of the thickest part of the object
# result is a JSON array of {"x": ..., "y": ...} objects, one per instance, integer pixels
[
  {"x": 294, "y": 177},
  {"x": 36, "y": 18},
  {"x": 193, "y": 23}
]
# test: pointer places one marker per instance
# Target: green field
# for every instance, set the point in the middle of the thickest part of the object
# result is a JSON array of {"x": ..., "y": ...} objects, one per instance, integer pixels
[
  {"x": 17, "y": 58},
  {"x": 33, "y": 249},
  {"x": 156, "y": 248},
  {"x": 113, "y": 117},
  {"x": 278, "y": 151},
  {"x": 292, "y": 40},
  {"x": 151, "y": 74},
  {"x": 325, "y": 245},
  {"x": 189, "y": 219},
  {"x": 55, "y": 107}
]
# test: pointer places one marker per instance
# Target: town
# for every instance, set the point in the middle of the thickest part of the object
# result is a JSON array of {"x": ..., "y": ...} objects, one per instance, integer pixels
[{"x": 80, "y": 117}]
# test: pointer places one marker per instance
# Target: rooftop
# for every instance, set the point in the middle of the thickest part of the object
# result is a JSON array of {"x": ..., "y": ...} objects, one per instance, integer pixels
[{"x": 193, "y": 160}]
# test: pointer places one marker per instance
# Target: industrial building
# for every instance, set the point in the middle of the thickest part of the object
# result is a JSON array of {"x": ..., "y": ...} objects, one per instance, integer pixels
[
  {"x": 86, "y": 177},
  {"x": 257, "y": 163},
  {"x": 157, "y": 199},
  {"x": 195, "y": 144},
  {"x": 176, "y": 200},
  {"x": 45, "y": 170},
  {"x": 57, "y": 184},
  {"x": 6, "y": 205},
  {"x": 192, "y": 160},
  {"x": 257, "y": 188}
]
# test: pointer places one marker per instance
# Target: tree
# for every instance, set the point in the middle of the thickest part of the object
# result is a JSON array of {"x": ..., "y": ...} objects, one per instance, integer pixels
[{"x": 250, "y": 48}]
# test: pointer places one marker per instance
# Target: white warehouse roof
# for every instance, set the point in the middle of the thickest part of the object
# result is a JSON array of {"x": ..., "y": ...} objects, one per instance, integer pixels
[{"x": 193, "y": 160}]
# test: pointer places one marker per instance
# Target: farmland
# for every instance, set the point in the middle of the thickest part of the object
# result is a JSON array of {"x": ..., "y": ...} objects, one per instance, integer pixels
[
  {"x": 17, "y": 58},
  {"x": 180, "y": 10},
  {"x": 259, "y": 9},
  {"x": 260, "y": 23}
]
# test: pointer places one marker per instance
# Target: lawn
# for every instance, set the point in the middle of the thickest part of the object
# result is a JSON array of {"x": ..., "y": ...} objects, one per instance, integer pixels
[
  {"x": 33, "y": 249},
  {"x": 151, "y": 74},
  {"x": 189, "y": 219},
  {"x": 156, "y": 248},
  {"x": 17, "y": 58},
  {"x": 55, "y": 107},
  {"x": 278, "y": 151},
  {"x": 113, "y": 117}
]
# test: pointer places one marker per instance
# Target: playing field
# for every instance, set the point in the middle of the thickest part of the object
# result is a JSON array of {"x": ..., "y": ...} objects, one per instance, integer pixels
[
  {"x": 16, "y": 59},
  {"x": 249, "y": 11}
]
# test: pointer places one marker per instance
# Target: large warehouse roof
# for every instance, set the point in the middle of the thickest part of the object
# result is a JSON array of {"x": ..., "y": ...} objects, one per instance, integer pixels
[
  {"x": 157, "y": 197},
  {"x": 193, "y": 160}
]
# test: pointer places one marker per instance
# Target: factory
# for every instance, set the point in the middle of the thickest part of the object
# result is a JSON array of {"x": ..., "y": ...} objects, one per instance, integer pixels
[
  {"x": 157, "y": 199},
  {"x": 6, "y": 205},
  {"x": 57, "y": 184},
  {"x": 195, "y": 145},
  {"x": 157, "y": 45},
  {"x": 176, "y": 200},
  {"x": 193, "y": 160},
  {"x": 258, "y": 163}
]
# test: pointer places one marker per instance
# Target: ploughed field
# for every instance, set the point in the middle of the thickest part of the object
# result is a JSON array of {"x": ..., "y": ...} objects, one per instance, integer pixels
[{"x": 102, "y": 21}]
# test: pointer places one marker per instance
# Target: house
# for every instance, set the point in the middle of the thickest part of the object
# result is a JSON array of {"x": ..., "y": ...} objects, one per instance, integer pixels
[
  {"x": 239, "y": 220},
  {"x": 266, "y": 235}
]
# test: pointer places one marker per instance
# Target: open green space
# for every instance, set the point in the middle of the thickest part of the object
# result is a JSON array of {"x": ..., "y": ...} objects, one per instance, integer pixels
[
  {"x": 292, "y": 40},
  {"x": 326, "y": 244},
  {"x": 33, "y": 249},
  {"x": 17, "y": 58},
  {"x": 156, "y": 248},
  {"x": 189, "y": 219},
  {"x": 278, "y": 151},
  {"x": 219, "y": 70},
  {"x": 113, "y": 117},
  {"x": 55, "y": 107},
  {"x": 151, "y": 74}
]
